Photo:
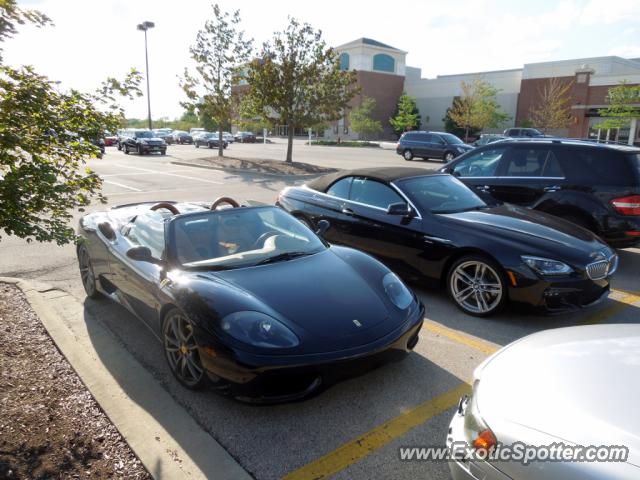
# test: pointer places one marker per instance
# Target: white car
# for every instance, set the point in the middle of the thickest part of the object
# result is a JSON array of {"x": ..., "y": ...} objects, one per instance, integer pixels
[{"x": 577, "y": 386}]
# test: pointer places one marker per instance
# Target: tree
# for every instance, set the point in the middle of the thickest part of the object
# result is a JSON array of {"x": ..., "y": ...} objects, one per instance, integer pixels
[
  {"x": 477, "y": 107},
  {"x": 45, "y": 140},
  {"x": 221, "y": 53},
  {"x": 452, "y": 127},
  {"x": 406, "y": 116},
  {"x": 297, "y": 81},
  {"x": 623, "y": 108},
  {"x": 361, "y": 121},
  {"x": 553, "y": 109}
]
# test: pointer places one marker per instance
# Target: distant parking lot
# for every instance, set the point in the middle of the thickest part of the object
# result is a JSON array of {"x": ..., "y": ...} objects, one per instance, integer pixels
[{"x": 353, "y": 430}]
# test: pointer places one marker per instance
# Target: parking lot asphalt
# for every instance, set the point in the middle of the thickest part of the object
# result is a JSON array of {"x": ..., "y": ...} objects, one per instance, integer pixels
[{"x": 354, "y": 429}]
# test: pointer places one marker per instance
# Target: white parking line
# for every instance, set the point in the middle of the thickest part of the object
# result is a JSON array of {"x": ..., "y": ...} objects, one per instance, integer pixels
[
  {"x": 159, "y": 172},
  {"x": 133, "y": 174},
  {"x": 123, "y": 186}
]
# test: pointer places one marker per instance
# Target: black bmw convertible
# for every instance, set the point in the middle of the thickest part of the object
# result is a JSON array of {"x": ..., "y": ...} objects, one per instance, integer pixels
[
  {"x": 248, "y": 298},
  {"x": 431, "y": 226}
]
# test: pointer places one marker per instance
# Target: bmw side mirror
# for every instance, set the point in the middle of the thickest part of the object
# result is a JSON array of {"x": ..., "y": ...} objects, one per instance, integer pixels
[
  {"x": 323, "y": 226},
  {"x": 107, "y": 230},
  {"x": 142, "y": 254},
  {"x": 399, "y": 208}
]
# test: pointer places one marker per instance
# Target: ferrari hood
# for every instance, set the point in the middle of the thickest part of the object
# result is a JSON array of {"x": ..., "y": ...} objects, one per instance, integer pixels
[{"x": 325, "y": 301}]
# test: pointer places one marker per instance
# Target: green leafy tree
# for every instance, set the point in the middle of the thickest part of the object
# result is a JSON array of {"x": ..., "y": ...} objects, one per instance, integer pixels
[
  {"x": 406, "y": 116},
  {"x": 452, "y": 127},
  {"x": 45, "y": 140},
  {"x": 553, "y": 110},
  {"x": 360, "y": 119},
  {"x": 221, "y": 53},
  {"x": 477, "y": 107},
  {"x": 297, "y": 81}
]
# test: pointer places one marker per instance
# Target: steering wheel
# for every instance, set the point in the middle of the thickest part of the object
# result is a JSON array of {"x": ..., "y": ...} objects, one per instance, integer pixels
[
  {"x": 263, "y": 238},
  {"x": 222, "y": 200},
  {"x": 166, "y": 205}
]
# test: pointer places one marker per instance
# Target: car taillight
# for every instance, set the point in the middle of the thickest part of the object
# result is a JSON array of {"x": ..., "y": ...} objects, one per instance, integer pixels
[
  {"x": 477, "y": 432},
  {"x": 627, "y": 205}
]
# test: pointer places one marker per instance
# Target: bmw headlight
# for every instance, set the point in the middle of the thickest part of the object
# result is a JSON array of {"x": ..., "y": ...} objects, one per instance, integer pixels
[
  {"x": 142, "y": 140},
  {"x": 546, "y": 266},
  {"x": 398, "y": 293},
  {"x": 259, "y": 330}
]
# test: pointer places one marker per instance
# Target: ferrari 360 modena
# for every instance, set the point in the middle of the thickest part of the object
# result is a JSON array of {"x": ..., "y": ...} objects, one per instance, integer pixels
[{"x": 247, "y": 298}]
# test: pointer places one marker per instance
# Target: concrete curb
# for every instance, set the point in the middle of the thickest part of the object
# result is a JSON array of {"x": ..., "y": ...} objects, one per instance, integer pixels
[
  {"x": 164, "y": 436},
  {"x": 250, "y": 172}
]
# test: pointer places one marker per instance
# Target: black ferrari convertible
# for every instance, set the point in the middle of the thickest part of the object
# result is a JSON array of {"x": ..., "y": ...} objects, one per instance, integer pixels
[
  {"x": 431, "y": 226},
  {"x": 248, "y": 298}
]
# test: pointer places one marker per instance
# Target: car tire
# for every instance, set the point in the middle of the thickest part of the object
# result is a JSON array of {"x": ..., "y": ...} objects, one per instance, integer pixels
[
  {"x": 87, "y": 275},
  {"x": 182, "y": 351},
  {"x": 477, "y": 286},
  {"x": 163, "y": 151},
  {"x": 447, "y": 157},
  {"x": 126, "y": 150},
  {"x": 407, "y": 155}
]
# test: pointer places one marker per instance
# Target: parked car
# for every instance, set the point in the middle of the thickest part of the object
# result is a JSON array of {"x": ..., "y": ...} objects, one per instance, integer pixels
[
  {"x": 523, "y": 133},
  {"x": 248, "y": 298},
  {"x": 110, "y": 139},
  {"x": 426, "y": 145},
  {"x": 227, "y": 137},
  {"x": 181, "y": 138},
  {"x": 164, "y": 133},
  {"x": 245, "y": 137},
  {"x": 122, "y": 135},
  {"x": 210, "y": 140},
  {"x": 592, "y": 185},
  {"x": 486, "y": 138},
  {"x": 196, "y": 131},
  {"x": 430, "y": 226},
  {"x": 573, "y": 386},
  {"x": 100, "y": 143},
  {"x": 143, "y": 142}
]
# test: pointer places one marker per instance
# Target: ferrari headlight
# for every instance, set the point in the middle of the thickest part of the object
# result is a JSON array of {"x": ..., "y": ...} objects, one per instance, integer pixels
[
  {"x": 398, "y": 293},
  {"x": 477, "y": 432},
  {"x": 546, "y": 266},
  {"x": 259, "y": 330}
]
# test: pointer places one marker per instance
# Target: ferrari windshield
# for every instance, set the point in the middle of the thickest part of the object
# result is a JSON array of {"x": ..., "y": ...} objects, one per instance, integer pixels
[
  {"x": 241, "y": 237},
  {"x": 441, "y": 194}
]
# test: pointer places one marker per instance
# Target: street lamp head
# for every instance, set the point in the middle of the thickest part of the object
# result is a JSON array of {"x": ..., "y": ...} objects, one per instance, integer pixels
[{"x": 144, "y": 26}]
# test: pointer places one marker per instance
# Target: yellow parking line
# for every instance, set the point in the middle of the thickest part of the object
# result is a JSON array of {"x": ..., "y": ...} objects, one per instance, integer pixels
[
  {"x": 463, "y": 338},
  {"x": 378, "y": 437},
  {"x": 627, "y": 299}
]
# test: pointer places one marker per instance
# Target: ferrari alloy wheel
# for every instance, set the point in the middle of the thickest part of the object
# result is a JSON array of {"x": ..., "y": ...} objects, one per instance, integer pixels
[
  {"x": 86, "y": 273},
  {"x": 181, "y": 351},
  {"x": 476, "y": 287}
]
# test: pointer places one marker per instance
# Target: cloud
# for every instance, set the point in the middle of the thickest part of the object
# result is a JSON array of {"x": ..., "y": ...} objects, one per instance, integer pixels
[{"x": 597, "y": 13}]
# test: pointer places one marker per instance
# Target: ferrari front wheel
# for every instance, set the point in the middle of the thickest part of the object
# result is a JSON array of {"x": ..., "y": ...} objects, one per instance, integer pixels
[{"x": 181, "y": 351}]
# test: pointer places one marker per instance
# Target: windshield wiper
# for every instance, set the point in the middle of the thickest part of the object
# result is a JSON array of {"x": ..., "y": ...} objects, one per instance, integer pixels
[{"x": 282, "y": 257}]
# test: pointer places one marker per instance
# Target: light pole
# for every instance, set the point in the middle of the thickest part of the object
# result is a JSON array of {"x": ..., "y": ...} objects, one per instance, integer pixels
[{"x": 144, "y": 26}]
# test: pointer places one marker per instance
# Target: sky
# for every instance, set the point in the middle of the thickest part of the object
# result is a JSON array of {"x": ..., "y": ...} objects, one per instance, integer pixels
[{"x": 92, "y": 40}]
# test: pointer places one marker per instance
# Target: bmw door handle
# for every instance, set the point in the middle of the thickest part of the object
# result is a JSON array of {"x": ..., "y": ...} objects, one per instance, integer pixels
[
  {"x": 552, "y": 188},
  {"x": 347, "y": 211}
]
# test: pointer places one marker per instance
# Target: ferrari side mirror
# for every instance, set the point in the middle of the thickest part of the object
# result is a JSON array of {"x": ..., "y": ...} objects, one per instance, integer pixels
[
  {"x": 107, "y": 230},
  {"x": 323, "y": 226},
  {"x": 142, "y": 254}
]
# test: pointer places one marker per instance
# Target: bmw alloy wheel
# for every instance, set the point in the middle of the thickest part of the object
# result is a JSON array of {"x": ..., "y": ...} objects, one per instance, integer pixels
[
  {"x": 476, "y": 287},
  {"x": 448, "y": 157},
  {"x": 181, "y": 351}
]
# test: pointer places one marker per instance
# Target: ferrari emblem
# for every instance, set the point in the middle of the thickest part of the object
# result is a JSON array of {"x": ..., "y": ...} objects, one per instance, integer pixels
[{"x": 357, "y": 323}]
